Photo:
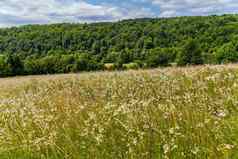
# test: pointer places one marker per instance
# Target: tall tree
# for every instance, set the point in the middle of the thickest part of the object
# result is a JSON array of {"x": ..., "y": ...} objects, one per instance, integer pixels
[{"x": 190, "y": 54}]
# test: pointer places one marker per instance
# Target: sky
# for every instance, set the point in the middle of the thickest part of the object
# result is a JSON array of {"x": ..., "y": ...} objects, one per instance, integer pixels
[{"x": 22, "y": 12}]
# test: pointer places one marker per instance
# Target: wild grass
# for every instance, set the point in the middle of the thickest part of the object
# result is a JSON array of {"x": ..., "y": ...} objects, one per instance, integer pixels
[{"x": 173, "y": 113}]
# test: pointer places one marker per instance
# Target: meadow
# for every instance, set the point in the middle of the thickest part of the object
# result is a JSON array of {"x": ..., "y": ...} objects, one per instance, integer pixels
[{"x": 170, "y": 113}]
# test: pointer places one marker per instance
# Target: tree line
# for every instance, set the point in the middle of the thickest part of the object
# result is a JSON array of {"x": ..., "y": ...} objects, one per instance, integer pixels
[{"x": 128, "y": 44}]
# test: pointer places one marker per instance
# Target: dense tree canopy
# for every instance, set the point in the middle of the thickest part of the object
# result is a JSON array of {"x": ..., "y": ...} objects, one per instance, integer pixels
[{"x": 62, "y": 48}]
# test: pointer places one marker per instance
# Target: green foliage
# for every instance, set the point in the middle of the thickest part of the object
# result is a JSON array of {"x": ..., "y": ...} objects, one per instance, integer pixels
[
  {"x": 227, "y": 53},
  {"x": 158, "y": 57},
  {"x": 4, "y": 67},
  {"x": 61, "y": 64},
  {"x": 42, "y": 49},
  {"x": 11, "y": 65},
  {"x": 190, "y": 53},
  {"x": 131, "y": 66},
  {"x": 84, "y": 62}
]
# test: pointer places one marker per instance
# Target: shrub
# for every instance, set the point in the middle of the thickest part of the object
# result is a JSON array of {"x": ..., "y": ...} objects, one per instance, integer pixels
[
  {"x": 190, "y": 53},
  {"x": 227, "y": 53},
  {"x": 158, "y": 57},
  {"x": 131, "y": 66}
]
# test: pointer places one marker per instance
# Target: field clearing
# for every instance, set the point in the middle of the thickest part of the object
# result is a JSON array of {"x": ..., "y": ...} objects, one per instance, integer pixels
[{"x": 170, "y": 113}]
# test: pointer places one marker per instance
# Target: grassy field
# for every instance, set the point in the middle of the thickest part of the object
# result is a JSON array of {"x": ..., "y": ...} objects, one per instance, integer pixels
[{"x": 172, "y": 113}]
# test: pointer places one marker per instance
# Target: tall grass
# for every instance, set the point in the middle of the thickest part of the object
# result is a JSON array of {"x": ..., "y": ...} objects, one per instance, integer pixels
[{"x": 172, "y": 113}]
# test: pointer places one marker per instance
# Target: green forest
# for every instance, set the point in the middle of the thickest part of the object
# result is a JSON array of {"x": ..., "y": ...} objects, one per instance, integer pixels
[{"x": 127, "y": 44}]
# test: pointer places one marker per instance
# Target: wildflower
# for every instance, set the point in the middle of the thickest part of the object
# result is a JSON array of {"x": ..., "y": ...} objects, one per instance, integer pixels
[
  {"x": 166, "y": 148},
  {"x": 221, "y": 114},
  {"x": 228, "y": 146},
  {"x": 171, "y": 131},
  {"x": 195, "y": 150}
]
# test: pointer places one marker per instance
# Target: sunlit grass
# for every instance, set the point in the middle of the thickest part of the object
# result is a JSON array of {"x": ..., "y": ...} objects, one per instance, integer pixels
[{"x": 171, "y": 113}]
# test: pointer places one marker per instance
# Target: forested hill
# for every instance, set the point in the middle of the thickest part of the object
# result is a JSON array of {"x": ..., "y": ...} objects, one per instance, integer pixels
[{"x": 62, "y": 48}]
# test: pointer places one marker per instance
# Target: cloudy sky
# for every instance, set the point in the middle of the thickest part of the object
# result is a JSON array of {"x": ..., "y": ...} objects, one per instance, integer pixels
[{"x": 20, "y": 12}]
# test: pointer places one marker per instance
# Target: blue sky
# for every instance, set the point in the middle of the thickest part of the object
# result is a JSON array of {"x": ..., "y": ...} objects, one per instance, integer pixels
[{"x": 21, "y": 12}]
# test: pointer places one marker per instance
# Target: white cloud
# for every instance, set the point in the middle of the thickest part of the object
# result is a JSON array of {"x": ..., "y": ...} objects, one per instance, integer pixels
[
  {"x": 195, "y": 7},
  {"x": 17, "y": 12},
  {"x": 14, "y": 12}
]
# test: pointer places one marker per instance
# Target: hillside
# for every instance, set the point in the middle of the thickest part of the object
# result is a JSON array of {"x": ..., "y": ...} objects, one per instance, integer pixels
[
  {"x": 63, "y": 48},
  {"x": 174, "y": 113}
]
